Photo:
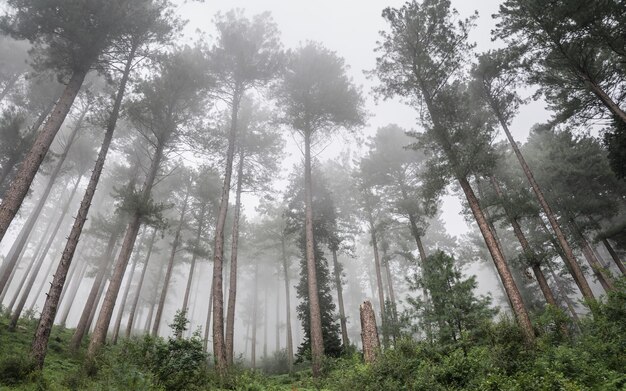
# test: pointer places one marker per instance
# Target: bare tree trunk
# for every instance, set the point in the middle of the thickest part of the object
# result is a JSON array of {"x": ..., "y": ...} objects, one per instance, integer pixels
[
  {"x": 208, "y": 322},
  {"x": 317, "y": 338},
  {"x": 170, "y": 266},
  {"x": 379, "y": 278},
  {"x": 232, "y": 292},
  {"x": 614, "y": 256},
  {"x": 94, "y": 294},
  {"x": 133, "y": 309},
  {"x": 369, "y": 333},
  {"x": 28, "y": 168},
  {"x": 102, "y": 324},
  {"x": 32, "y": 262},
  {"x": 519, "y": 234},
  {"x": 569, "y": 258},
  {"x": 194, "y": 256},
  {"x": 277, "y": 313},
  {"x": 339, "y": 286},
  {"x": 31, "y": 281},
  {"x": 254, "y": 314},
  {"x": 219, "y": 346},
  {"x": 129, "y": 281},
  {"x": 265, "y": 322},
  {"x": 595, "y": 264},
  {"x": 287, "y": 303},
  {"x": 26, "y": 230},
  {"x": 392, "y": 294},
  {"x": 504, "y": 272},
  {"x": 73, "y": 288},
  {"x": 563, "y": 294},
  {"x": 40, "y": 342},
  {"x": 153, "y": 304}
]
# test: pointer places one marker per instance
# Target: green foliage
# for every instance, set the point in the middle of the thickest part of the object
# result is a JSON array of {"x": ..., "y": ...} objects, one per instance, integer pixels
[
  {"x": 15, "y": 370},
  {"x": 452, "y": 312}
]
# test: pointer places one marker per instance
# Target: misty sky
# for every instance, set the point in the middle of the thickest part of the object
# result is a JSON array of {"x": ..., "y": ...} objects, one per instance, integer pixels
[{"x": 350, "y": 27}]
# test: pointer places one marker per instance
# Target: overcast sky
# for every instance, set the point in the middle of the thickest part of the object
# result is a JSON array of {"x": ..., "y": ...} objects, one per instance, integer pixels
[{"x": 350, "y": 27}]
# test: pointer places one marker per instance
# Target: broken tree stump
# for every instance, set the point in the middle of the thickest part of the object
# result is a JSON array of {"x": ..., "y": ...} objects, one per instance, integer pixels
[{"x": 369, "y": 332}]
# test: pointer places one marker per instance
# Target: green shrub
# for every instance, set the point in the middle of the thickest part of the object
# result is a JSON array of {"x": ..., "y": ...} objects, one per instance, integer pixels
[{"x": 15, "y": 370}]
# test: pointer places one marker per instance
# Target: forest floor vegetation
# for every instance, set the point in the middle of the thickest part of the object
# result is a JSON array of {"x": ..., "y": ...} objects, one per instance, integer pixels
[{"x": 591, "y": 356}]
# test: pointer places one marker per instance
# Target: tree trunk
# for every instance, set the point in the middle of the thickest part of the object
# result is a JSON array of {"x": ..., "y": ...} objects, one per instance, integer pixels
[
  {"x": 32, "y": 262},
  {"x": 561, "y": 290},
  {"x": 504, "y": 272},
  {"x": 129, "y": 281},
  {"x": 342, "y": 312},
  {"x": 569, "y": 258},
  {"x": 31, "y": 281},
  {"x": 170, "y": 266},
  {"x": 40, "y": 342},
  {"x": 194, "y": 256},
  {"x": 265, "y": 322},
  {"x": 73, "y": 289},
  {"x": 317, "y": 339},
  {"x": 519, "y": 234},
  {"x": 153, "y": 304},
  {"x": 208, "y": 321},
  {"x": 369, "y": 333},
  {"x": 232, "y": 292},
  {"x": 614, "y": 256},
  {"x": 133, "y": 309},
  {"x": 94, "y": 294},
  {"x": 277, "y": 313},
  {"x": 219, "y": 346},
  {"x": 254, "y": 314},
  {"x": 26, "y": 230},
  {"x": 287, "y": 303},
  {"x": 28, "y": 169},
  {"x": 595, "y": 264},
  {"x": 379, "y": 278},
  {"x": 102, "y": 324}
]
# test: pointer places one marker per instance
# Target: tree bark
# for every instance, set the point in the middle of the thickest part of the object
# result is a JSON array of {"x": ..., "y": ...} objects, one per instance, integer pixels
[
  {"x": 40, "y": 342},
  {"x": 287, "y": 303},
  {"x": 28, "y": 169},
  {"x": 254, "y": 315},
  {"x": 153, "y": 304},
  {"x": 232, "y": 292},
  {"x": 519, "y": 234},
  {"x": 342, "y": 312},
  {"x": 73, "y": 288},
  {"x": 561, "y": 291},
  {"x": 369, "y": 333},
  {"x": 194, "y": 256},
  {"x": 31, "y": 281},
  {"x": 595, "y": 264},
  {"x": 102, "y": 324},
  {"x": 317, "y": 339},
  {"x": 32, "y": 262},
  {"x": 205, "y": 342},
  {"x": 504, "y": 272},
  {"x": 219, "y": 346},
  {"x": 133, "y": 309},
  {"x": 26, "y": 230},
  {"x": 569, "y": 257},
  {"x": 129, "y": 281},
  {"x": 277, "y": 313},
  {"x": 170, "y": 266},
  {"x": 83, "y": 323},
  {"x": 614, "y": 256},
  {"x": 379, "y": 278}
]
